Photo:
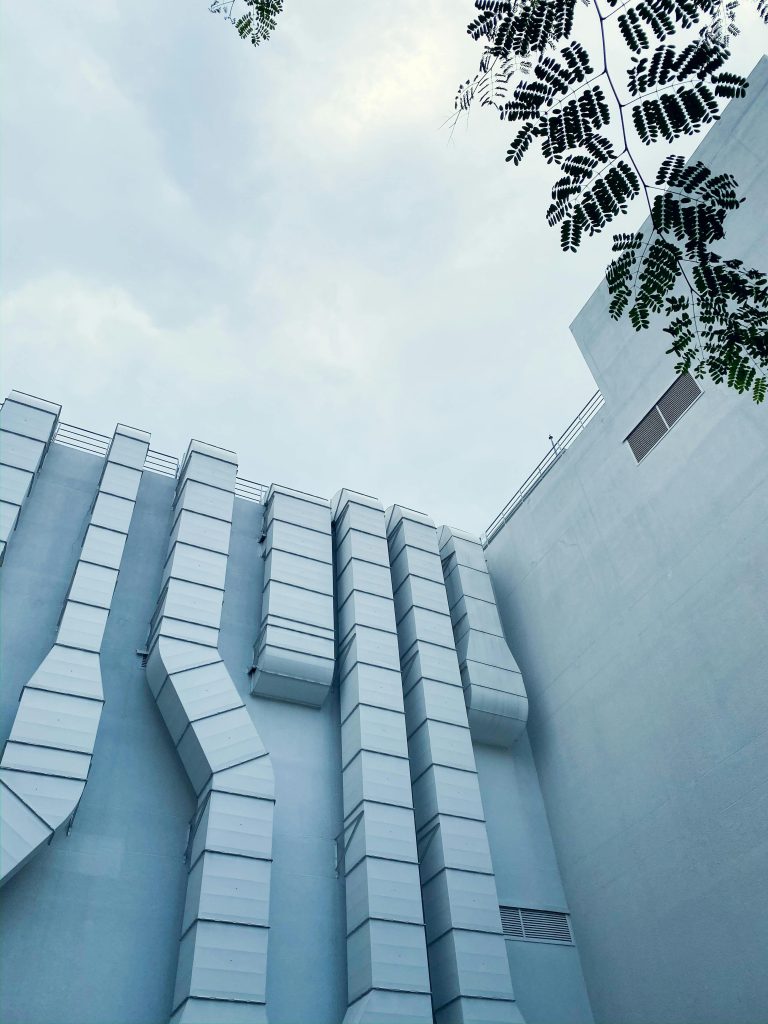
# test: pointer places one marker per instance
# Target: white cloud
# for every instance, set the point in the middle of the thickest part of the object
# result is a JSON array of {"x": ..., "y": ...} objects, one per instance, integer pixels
[{"x": 280, "y": 251}]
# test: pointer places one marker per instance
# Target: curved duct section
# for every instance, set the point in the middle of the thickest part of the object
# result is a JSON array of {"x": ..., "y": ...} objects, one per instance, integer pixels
[
  {"x": 47, "y": 758},
  {"x": 294, "y": 653},
  {"x": 468, "y": 963},
  {"x": 222, "y": 968},
  {"x": 27, "y": 426},
  {"x": 387, "y": 972},
  {"x": 497, "y": 704}
]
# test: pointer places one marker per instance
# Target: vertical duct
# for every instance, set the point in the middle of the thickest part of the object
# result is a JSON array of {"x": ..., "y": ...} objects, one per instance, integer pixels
[
  {"x": 222, "y": 969},
  {"x": 48, "y": 755},
  {"x": 497, "y": 704},
  {"x": 387, "y": 973},
  {"x": 293, "y": 656},
  {"x": 467, "y": 954},
  {"x": 27, "y": 426}
]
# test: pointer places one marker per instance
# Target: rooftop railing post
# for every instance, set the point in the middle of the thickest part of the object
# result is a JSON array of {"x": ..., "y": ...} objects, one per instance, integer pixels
[{"x": 565, "y": 440}]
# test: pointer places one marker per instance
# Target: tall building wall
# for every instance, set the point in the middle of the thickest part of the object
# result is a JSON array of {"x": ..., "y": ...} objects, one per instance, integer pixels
[
  {"x": 634, "y": 597},
  {"x": 91, "y": 928}
]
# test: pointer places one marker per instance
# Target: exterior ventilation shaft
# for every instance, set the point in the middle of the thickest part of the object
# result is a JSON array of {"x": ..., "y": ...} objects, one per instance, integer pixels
[
  {"x": 222, "y": 969},
  {"x": 27, "y": 426},
  {"x": 468, "y": 963},
  {"x": 293, "y": 656},
  {"x": 497, "y": 704},
  {"x": 47, "y": 758},
  {"x": 388, "y": 978}
]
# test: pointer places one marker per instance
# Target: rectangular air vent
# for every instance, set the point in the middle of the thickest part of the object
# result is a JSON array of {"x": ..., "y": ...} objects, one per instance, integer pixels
[
  {"x": 647, "y": 434},
  {"x": 676, "y": 400},
  {"x": 511, "y": 922},
  {"x": 541, "y": 925}
]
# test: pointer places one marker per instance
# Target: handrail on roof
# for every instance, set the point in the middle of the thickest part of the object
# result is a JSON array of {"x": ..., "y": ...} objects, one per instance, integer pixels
[
  {"x": 251, "y": 490},
  {"x": 156, "y": 462},
  {"x": 558, "y": 449},
  {"x": 97, "y": 444}
]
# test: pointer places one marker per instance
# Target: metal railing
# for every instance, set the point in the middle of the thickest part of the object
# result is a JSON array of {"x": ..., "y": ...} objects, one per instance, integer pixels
[
  {"x": 251, "y": 490},
  {"x": 559, "y": 447},
  {"x": 79, "y": 437},
  {"x": 159, "y": 462},
  {"x": 98, "y": 444},
  {"x": 156, "y": 462}
]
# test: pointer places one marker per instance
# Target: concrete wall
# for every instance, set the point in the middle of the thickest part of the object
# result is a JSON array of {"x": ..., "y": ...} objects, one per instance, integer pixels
[
  {"x": 635, "y": 600},
  {"x": 547, "y": 976}
]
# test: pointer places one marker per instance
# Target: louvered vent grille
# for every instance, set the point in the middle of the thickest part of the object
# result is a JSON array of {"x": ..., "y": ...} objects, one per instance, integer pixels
[
  {"x": 647, "y": 434},
  {"x": 678, "y": 398},
  {"x": 544, "y": 925},
  {"x": 667, "y": 411},
  {"x": 511, "y": 922}
]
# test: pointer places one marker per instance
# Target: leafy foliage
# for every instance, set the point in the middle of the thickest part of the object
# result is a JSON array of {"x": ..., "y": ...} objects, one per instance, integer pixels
[
  {"x": 255, "y": 19},
  {"x": 585, "y": 124}
]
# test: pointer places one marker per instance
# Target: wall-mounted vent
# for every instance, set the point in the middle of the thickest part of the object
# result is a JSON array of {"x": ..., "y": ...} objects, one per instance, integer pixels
[
  {"x": 541, "y": 925},
  {"x": 670, "y": 407}
]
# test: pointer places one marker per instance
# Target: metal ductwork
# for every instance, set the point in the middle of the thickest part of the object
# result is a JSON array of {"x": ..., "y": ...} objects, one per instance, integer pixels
[
  {"x": 294, "y": 653},
  {"x": 497, "y": 704},
  {"x": 222, "y": 968},
  {"x": 47, "y": 758},
  {"x": 468, "y": 963},
  {"x": 387, "y": 972},
  {"x": 27, "y": 426}
]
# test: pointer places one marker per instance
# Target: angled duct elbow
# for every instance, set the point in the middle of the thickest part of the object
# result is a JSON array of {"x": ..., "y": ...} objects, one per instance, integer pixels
[
  {"x": 497, "y": 704},
  {"x": 294, "y": 652},
  {"x": 48, "y": 755},
  {"x": 222, "y": 966}
]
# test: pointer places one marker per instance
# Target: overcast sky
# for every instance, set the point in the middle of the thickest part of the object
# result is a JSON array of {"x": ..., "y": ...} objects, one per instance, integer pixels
[{"x": 281, "y": 251}]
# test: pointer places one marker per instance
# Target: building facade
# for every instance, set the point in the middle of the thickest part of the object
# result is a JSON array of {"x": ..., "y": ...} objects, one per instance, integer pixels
[
  {"x": 265, "y": 754},
  {"x": 633, "y": 588},
  {"x": 269, "y": 756}
]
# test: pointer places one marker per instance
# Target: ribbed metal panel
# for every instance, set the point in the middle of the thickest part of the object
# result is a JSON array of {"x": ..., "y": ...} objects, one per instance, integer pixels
[
  {"x": 51, "y": 797},
  {"x": 15, "y": 485},
  {"x": 46, "y": 761},
  {"x": 22, "y": 831},
  {"x": 27, "y": 426},
  {"x": 294, "y": 650},
  {"x": 387, "y": 971},
  {"x": 468, "y": 964},
  {"x": 497, "y": 704},
  {"x": 222, "y": 968}
]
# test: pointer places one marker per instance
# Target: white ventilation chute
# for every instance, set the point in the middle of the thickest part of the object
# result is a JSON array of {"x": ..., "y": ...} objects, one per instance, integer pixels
[
  {"x": 387, "y": 972},
  {"x": 294, "y": 652},
  {"x": 47, "y": 758},
  {"x": 27, "y": 427},
  {"x": 222, "y": 968},
  {"x": 497, "y": 704},
  {"x": 468, "y": 964}
]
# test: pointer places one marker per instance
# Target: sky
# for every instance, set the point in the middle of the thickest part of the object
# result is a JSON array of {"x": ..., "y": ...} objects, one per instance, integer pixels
[{"x": 286, "y": 251}]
